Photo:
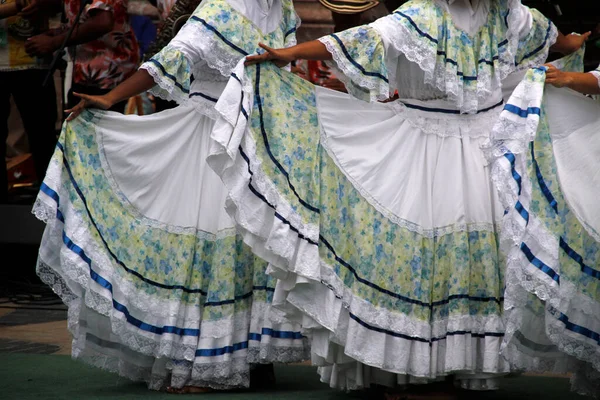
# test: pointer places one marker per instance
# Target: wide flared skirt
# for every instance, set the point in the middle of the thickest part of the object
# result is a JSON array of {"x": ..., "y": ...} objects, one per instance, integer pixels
[
  {"x": 546, "y": 161},
  {"x": 380, "y": 222},
  {"x": 159, "y": 284}
]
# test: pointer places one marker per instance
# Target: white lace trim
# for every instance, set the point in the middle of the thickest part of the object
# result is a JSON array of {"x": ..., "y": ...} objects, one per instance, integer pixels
[
  {"x": 69, "y": 267},
  {"x": 449, "y": 125},
  {"x": 136, "y": 213},
  {"x": 521, "y": 276},
  {"x": 224, "y": 375},
  {"x": 376, "y": 89},
  {"x": 406, "y": 224},
  {"x": 445, "y": 76},
  {"x": 166, "y": 87},
  {"x": 297, "y": 263},
  {"x": 164, "y": 346}
]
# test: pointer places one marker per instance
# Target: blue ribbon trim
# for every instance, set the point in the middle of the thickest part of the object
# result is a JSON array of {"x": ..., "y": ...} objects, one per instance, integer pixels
[
  {"x": 447, "y": 111},
  {"x": 251, "y": 337},
  {"x": 52, "y": 194},
  {"x": 554, "y": 204},
  {"x": 539, "y": 48},
  {"x": 513, "y": 169},
  {"x": 171, "y": 77},
  {"x": 423, "y": 340},
  {"x": 542, "y": 183},
  {"x": 268, "y": 148},
  {"x": 445, "y": 55},
  {"x": 579, "y": 260},
  {"x": 219, "y": 35},
  {"x": 204, "y": 96},
  {"x": 520, "y": 112},
  {"x": 581, "y": 330},
  {"x": 355, "y": 63},
  {"x": 539, "y": 264},
  {"x": 291, "y": 31}
]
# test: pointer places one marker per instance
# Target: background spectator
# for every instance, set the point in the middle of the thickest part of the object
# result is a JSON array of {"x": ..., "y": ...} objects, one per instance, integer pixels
[
  {"x": 21, "y": 77},
  {"x": 103, "y": 47}
]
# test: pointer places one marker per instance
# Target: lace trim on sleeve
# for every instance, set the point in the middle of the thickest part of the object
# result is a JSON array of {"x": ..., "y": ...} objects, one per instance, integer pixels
[
  {"x": 467, "y": 68},
  {"x": 170, "y": 69},
  {"x": 359, "y": 62}
]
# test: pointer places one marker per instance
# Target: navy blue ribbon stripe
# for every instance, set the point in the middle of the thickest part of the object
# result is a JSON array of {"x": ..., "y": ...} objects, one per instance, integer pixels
[
  {"x": 554, "y": 204},
  {"x": 444, "y": 54},
  {"x": 291, "y": 31},
  {"x": 251, "y": 337},
  {"x": 204, "y": 96},
  {"x": 325, "y": 241},
  {"x": 355, "y": 63},
  {"x": 52, "y": 194},
  {"x": 171, "y": 77},
  {"x": 521, "y": 112},
  {"x": 539, "y": 48},
  {"x": 268, "y": 148},
  {"x": 581, "y": 330},
  {"x": 542, "y": 183},
  {"x": 579, "y": 260},
  {"x": 513, "y": 170},
  {"x": 264, "y": 200},
  {"x": 539, "y": 264},
  {"x": 423, "y": 340},
  {"x": 448, "y": 111},
  {"x": 219, "y": 35}
]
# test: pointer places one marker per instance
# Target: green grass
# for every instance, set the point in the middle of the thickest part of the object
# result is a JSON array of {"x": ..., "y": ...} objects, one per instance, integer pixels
[{"x": 48, "y": 377}]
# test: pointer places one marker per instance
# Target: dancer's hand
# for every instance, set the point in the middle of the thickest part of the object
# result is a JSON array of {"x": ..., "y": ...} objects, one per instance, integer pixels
[
  {"x": 281, "y": 57},
  {"x": 568, "y": 44},
  {"x": 556, "y": 77},
  {"x": 87, "y": 101}
]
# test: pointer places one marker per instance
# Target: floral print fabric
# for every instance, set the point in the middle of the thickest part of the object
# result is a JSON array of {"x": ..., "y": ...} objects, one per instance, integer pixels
[
  {"x": 467, "y": 68},
  {"x": 219, "y": 36}
]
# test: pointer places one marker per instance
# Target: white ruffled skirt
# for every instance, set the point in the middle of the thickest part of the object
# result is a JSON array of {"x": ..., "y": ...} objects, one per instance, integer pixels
[
  {"x": 160, "y": 286},
  {"x": 381, "y": 223}
]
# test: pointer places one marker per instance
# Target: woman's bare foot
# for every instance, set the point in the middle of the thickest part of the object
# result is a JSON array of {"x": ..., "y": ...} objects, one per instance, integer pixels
[{"x": 189, "y": 390}]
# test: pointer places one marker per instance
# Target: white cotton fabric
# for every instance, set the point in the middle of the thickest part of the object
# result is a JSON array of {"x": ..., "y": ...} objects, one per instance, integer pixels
[
  {"x": 158, "y": 171},
  {"x": 265, "y": 14},
  {"x": 376, "y": 145},
  {"x": 576, "y": 144}
]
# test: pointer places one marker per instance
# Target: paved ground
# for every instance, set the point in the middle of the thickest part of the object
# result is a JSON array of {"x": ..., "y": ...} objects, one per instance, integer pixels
[{"x": 33, "y": 331}]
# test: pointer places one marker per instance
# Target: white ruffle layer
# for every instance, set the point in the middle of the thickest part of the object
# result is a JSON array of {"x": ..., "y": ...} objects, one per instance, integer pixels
[
  {"x": 536, "y": 337},
  {"x": 108, "y": 336},
  {"x": 346, "y": 331}
]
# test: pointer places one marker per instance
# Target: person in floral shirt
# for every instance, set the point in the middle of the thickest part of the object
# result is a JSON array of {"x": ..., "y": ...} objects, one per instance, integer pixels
[{"x": 103, "y": 46}]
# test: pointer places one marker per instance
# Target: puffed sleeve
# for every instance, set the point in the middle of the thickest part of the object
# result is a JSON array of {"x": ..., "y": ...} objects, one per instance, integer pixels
[
  {"x": 359, "y": 62},
  {"x": 171, "y": 67}
]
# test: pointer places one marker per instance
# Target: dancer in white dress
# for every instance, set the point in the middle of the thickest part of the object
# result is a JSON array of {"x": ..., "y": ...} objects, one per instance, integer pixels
[
  {"x": 545, "y": 158},
  {"x": 381, "y": 220},
  {"x": 159, "y": 285}
]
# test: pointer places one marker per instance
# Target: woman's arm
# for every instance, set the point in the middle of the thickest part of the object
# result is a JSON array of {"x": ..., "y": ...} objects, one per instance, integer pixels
[
  {"x": 567, "y": 44},
  {"x": 313, "y": 50},
  {"x": 138, "y": 83},
  {"x": 581, "y": 82},
  {"x": 97, "y": 25}
]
